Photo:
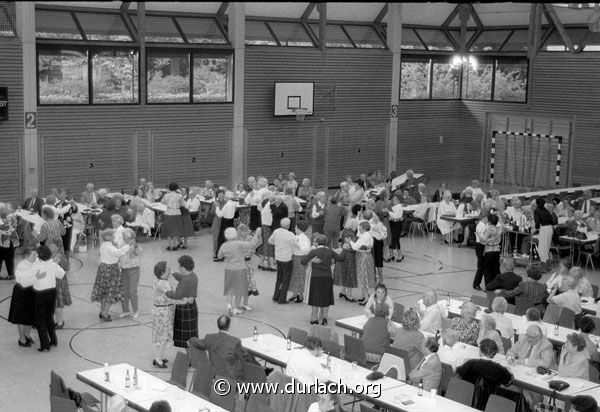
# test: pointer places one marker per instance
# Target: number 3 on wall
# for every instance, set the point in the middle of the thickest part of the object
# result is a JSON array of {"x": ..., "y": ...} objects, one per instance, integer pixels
[
  {"x": 31, "y": 120},
  {"x": 394, "y": 111}
]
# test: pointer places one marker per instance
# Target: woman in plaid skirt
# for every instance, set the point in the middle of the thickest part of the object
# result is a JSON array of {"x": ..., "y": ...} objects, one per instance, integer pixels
[{"x": 185, "y": 324}]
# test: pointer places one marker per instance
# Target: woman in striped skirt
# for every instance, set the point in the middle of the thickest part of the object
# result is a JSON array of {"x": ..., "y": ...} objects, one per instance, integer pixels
[
  {"x": 344, "y": 273},
  {"x": 185, "y": 324},
  {"x": 365, "y": 267}
]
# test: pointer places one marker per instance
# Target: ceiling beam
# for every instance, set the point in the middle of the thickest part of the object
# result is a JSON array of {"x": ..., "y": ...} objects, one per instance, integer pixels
[
  {"x": 222, "y": 8},
  {"x": 535, "y": 23},
  {"x": 475, "y": 16},
  {"x": 308, "y": 11},
  {"x": 450, "y": 17},
  {"x": 553, "y": 17},
  {"x": 322, "y": 8},
  {"x": 125, "y": 6},
  {"x": 381, "y": 15},
  {"x": 464, "y": 14}
]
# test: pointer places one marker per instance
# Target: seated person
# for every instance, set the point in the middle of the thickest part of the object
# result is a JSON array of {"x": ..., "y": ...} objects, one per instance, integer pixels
[
  {"x": 304, "y": 364},
  {"x": 584, "y": 403},
  {"x": 593, "y": 221},
  {"x": 144, "y": 218},
  {"x": 584, "y": 203},
  {"x": 583, "y": 287},
  {"x": 492, "y": 373},
  {"x": 555, "y": 280},
  {"x": 530, "y": 288},
  {"x": 432, "y": 315},
  {"x": 116, "y": 403},
  {"x": 376, "y": 335},
  {"x": 160, "y": 406},
  {"x": 449, "y": 352},
  {"x": 410, "y": 338},
  {"x": 586, "y": 326},
  {"x": 532, "y": 317},
  {"x": 466, "y": 325},
  {"x": 226, "y": 345},
  {"x": 574, "y": 358},
  {"x": 569, "y": 298},
  {"x": 487, "y": 330},
  {"x": 533, "y": 350},
  {"x": 380, "y": 296},
  {"x": 90, "y": 196},
  {"x": 503, "y": 323},
  {"x": 507, "y": 279},
  {"x": 34, "y": 203},
  {"x": 429, "y": 370},
  {"x": 102, "y": 197},
  {"x": 326, "y": 402}
]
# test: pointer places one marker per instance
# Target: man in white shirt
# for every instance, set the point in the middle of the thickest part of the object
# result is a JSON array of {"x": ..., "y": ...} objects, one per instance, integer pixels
[
  {"x": 285, "y": 244},
  {"x": 432, "y": 317},
  {"x": 304, "y": 364},
  {"x": 569, "y": 298},
  {"x": 317, "y": 213}
]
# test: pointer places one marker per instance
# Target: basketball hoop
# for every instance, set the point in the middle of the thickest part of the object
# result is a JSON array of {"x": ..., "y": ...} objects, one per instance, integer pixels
[{"x": 300, "y": 112}]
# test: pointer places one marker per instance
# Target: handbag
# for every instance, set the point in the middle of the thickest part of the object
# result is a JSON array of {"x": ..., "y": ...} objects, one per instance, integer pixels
[
  {"x": 558, "y": 385},
  {"x": 542, "y": 370}
]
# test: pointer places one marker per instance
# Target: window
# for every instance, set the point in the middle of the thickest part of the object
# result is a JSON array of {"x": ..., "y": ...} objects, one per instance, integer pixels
[
  {"x": 414, "y": 79},
  {"x": 213, "y": 78},
  {"x": 364, "y": 37},
  {"x": 334, "y": 34},
  {"x": 8, "y": 19},
  {"x": 201, "y": 30},
  {"x": 115, "y": 76},
  {"x": 477, "y": 80},
  {"x": 168, "y": 77},
  {"x": 257, "y": 34},
  {"x": 510, "y": 83},
  {"x": 63, "y": 76},
  {"x": 162, "y": 30},
  {"x": 99, "y": 26},
  {"x": 445, "y": 81},
  {"x": 56, "y": 25},
  {"x": 291, "y": 34}
]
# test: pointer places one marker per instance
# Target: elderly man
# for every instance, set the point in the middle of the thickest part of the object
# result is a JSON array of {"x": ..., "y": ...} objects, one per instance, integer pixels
[
  {"x": 208, "y": 191},
  {"x": 285, "y": 244},
  {"x": 532, "y": 350},
  {"x": 89, "y": 197},
  {"x": 569, "y": 298},
  {"x": 342, "y": 195},
  {"x": 507, "y": 279},
  {"x": 432, "y": 317},
  {"x": 34, "y": 203},
  {"x": 410, "y": 183},
  {"x": 429, "y": 371},
  {"x": 585, "y": 202},
  {"x": 318, "y": 212},
  {"x": 279, "y": 211}
]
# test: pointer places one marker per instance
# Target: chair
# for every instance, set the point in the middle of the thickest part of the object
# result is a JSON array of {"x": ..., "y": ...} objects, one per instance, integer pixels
[
  {"x": 297, "y": 335},
  {"x": 447, "y": 374},
  {"x": 60, "y": 389},
  {"x": 254, "y": 373},
  {"x": 220, "y": 365},
  {"x": 179, "y": 371},
  {"x": 595, "y": 291},
  {"x": 554, "y": 314},
  {"x": 323, "y": 333},
  {"x": 333, "y": 348},
  {"x": 594, "y": 373},
  {"x": 354, "y": 350},
  {"x": 402, "y": 354},
  {"x": 460, "y": 391},
  {"x": 198, "y": 358},
  {"x": 589, "y": 255},
  {"x": 398, "y": 312},
  {"x": 596, "y": 320},
  {"x": 392, "y": 364},
  {"x": 60, "y": 404},
  {"x": 365, "y": 408},
  {"x": 497, "y": 403},
  {"x": 522, "y": 304},
  {"x": 480, "y": 301},
  {"x": 506, "y": 342},
  {"x": 226, "y": 401}
]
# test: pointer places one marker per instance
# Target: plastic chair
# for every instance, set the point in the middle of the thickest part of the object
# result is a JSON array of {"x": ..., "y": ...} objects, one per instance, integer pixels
[
  {"x": 354, "y": 350},
  {"x": 365, "y": 408},
  {"x": 497, "y": 403},
  {"x": 402, "y": 354},
  {"x": 522, "y": 304},
  {"x": 460, "y": 391},
  {"x": 202, "y": 382},
  {"x": 506, "y": 342},
  {"x": 198, "y": 358},
  {"x": 254, "y": 373},
  {"x": 60, "y": 404},
  {"x": 297, "y": 335},
  {"x": 220, "y": 365},
  {"x": 398, "y": 312},
  {"x": 480, "y": 301},
  {"x": 323, "y": 333},
  {"x": 226, "y": 401},
  {"x": 179, "y": 371},
  {"x": 395, "y": 363},
  {"x": 333, "y": 348},
  {"x": 447, "y": 374},
  {"x": 60, "y": 389},
  {"x": 596, "y": 320}
]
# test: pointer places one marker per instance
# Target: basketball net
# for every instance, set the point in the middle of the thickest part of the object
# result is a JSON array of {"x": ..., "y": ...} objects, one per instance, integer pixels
[{"x": 300, "y": 112}]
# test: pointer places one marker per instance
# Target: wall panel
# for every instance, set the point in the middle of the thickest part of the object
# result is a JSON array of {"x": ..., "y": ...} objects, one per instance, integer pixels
[{"x": 11, "y": 131}]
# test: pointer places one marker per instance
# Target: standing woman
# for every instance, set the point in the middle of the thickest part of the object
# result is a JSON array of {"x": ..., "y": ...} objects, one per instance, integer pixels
[
  {"x": 173, "y": 225},
  {"x": 108, "y": 285},
  {"x": 267, "y": 249},
  {"x": 163, "y": 314},
  {"x": 253, "y": 198},
  {"x": 67, "y": 207},
  {"x": 356, "y": 194},
  {"x": 293, "y": 207},
  {"x": 9, "y": 240},
  {"x": 292, "y": 183},
  {"x": 186, "y": 219},
  {"x": 446, "y": 207},
  {"x": 303, "y": 246},
  {"x": 227, "y": 213},
  {"x": 543, "y": 222},
  {"x": 365, "y": 267},
  {"x": 52, "y": 228},
  {"x": 491, "y": 237},
  {"x": 44, "y": 288},
  {"x": 22, "y": 311},
  {"x": 234, "y": 252},
  {"x": 320, "y": 294},
  {"x": 185, "y": 323},
  {"x": 216, "y": 223},
  {"x": 479, "y": 246},
  {"x": 130, "y": 274},
  {"x": 396, "y": 215},
  {"x": 63, "y": 294},
  {"x": 344, "y": 273}
]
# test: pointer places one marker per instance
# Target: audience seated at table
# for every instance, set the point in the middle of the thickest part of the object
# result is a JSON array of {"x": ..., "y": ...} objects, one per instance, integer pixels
[
  {"x": 378, "y": 297},
  {"x": 556, "y": 279},
  {"x": 432, "y": 315},
  {"x": 466, "y": 325},
  {"x": 33, "y": 203},
  {"x": 450, "y": 349},
  {"x": 503, "y": 322},
  {"x": 585, "y": 202},
  {"x": 487, "y": 330},
  {"x": 569, "y": 298},
  {"x": 376, "y": 333},
  {"x": 89, "y": 197},
  {"x": 583, "y": 287},
  {"x": 492, "y": 373},
  {"x": 429, "y": 370},
  {"x": 507, "y": 279},
  {"x": 531, "y": 288},
  {"x": 574, "y": 358},
  {"x": 304, "y": 364},
  {"x": 532, "y": 349},
  {"x": 446, "y": 207}
]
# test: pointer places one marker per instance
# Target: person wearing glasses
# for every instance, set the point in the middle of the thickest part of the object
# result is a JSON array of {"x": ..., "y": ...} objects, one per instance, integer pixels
[{"x": 535, "y": 350}]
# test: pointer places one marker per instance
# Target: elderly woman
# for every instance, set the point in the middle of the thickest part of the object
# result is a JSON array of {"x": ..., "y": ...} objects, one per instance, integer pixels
[
  {"x": 543, "y": 222},
  {"x": 466, "y": 325},
  {"x": 379, "y": 297},
  {"x": 267, "y": 250},
  {"x": 52, "y": 228},
  {"x": 21, "y": 311},
  {"x": 234, "y": 252},
  {"x": 574, "y": 358},
  {"x": 446, "y": 207},
  {"x": 219, "y": 203},
  {"x": 421, "y": 195},
  {"x": 303, "y": 247},
  {"x": 490, "y": 238},
  {"x": 227, "y": 214},
  {"x": 344, "y": 273},
  {"x": 9, "y": 239},
  {"x": 279, "y": 182},
  {"x": 365, "y": 266},
  {"x": 503, "y": 322},
  {"x": 356, "y": 193},
  {"x": 151, "y": 194},
  {"x": 63, "y": 293},
  {"x": 487, "y": 330},
  {"x": 185, "y": 322},
  {"x": 292, "y": 183},
  {"x": 586, "y": 327},
  {"x": 186, "y": 220},
  {"x": 439, "y": 193},
  {"x": 584, "y": 287},
  {"x": 305, "y": 190},
  {"x": 342, "y": 195},
  {"x": 432, "y": 315},
  {"x": 376, "y": 335},
  {"x": 163, "y": 314},
  {"x": 396, "y": 214},
  {"x": 173, "y": 224},
  {"x": 293, "y": 207},
  {"x": 68, "y": 207},
  {"x": 144, "y": 218},
  {"x": 410, "y": 338}
]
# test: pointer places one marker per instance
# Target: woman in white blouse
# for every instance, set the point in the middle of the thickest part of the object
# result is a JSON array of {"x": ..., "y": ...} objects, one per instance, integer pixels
[
  {"x": 396, "y": 216},
  {"x": 173, "y": 224},
  {"x": 22, "y": 312},
  {"x": 365, "y": 267},
  {"x": 303, "y": 246},
  {"x": 226, "y": 214},
  {"x": 446, "y": 207}
]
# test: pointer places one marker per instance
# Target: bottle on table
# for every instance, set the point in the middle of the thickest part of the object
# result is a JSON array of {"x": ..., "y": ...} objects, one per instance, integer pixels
[
  {"x": 289, "y": 343},
  {"x": 448, "y": 300},
  {"x": 420, "y": 393},
  {"x": 106, "y": 373},
  {"x": 556, "y": 329},
  {"x": 127, "y": 379},
  {"x": 255, "y": 335},
  {"x": 135, "y": 377}
]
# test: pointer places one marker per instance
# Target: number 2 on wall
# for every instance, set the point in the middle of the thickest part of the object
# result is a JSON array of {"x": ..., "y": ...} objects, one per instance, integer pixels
[{"x": 30, "y": 120}]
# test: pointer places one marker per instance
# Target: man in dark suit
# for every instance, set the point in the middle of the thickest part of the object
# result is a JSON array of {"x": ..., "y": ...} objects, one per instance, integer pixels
[
  {"x": 585, "y": 202},
  {"x": 279, "y": 211},
  {"x": 429, "y": 371},
  {"x": 34, "y": 203},
  {"x": 229, "y": 347},
  {"x": 506, "y": 280}
]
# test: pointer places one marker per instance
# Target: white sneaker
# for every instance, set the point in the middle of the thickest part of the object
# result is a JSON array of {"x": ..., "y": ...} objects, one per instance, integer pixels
[
  {"x": 246, "y": 307},
  {"x": 124, "y": 315},
  {"x": 136, "y": 314},
  {"x": 236, "y": 311}
]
